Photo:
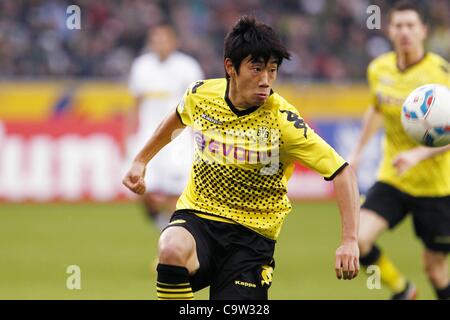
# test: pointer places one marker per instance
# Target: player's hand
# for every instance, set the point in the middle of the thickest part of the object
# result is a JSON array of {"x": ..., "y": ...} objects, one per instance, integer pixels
[
  {"x": 134, "y": 179},
  {"x": 347, "y": 260},
  {"x": 406, "y": 160}
]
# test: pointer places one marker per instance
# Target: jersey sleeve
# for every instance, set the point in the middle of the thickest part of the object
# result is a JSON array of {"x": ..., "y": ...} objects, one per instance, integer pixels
[
  {"x": 302, "y": 144},
  {"x": 441, "y": 70},
  {"x": 185, "y": 108}
]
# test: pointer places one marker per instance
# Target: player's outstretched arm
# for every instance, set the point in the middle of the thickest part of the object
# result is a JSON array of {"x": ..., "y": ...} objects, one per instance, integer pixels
[
  {"x": 371, "y": 123},
  {"x": 347, "y": 196},
  {"x": 134, "y": 179},
  {"x": 405, "y": 160}
]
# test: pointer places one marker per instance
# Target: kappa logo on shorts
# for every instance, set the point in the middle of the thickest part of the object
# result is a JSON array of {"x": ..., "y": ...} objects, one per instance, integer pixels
[
  {"x": 245, "y": 284},
  {"x": 179, "y": 221},
  {"x": 266, "y": 275}
]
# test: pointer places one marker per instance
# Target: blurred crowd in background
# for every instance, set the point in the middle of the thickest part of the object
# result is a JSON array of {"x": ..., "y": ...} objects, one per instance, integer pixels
[{"x": 329, "y": 40}]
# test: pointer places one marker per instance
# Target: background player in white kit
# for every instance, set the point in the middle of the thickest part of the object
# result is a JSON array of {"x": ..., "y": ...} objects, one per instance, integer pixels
[{"x": 158, "y": 80}]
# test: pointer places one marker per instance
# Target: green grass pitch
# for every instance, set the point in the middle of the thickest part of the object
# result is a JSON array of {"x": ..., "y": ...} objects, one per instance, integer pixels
[{"x": 115, "y": 246}]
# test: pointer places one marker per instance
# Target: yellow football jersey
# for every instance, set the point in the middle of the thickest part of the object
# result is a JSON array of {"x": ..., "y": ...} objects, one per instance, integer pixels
[
  {"x": 243, "y": 159},
  {"x": 389, "y": 87}
]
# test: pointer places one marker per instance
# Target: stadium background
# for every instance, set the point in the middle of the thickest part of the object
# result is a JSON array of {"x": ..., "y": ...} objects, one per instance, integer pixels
[{"x": 63, "y": 105}]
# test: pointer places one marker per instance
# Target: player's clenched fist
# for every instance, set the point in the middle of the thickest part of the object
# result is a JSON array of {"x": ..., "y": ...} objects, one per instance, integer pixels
[
  {"x": 134, "y": 179},
  {"x": 347, "y": 260}
]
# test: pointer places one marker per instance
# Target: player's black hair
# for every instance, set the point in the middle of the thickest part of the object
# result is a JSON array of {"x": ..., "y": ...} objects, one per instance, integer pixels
[
  {"x": 250, "y": 37},
  {"x": 404, "y": 5}
]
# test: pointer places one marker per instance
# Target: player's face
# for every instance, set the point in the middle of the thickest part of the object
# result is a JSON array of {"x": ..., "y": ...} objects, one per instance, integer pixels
[
  {"x": 163, "y": 41},
  {"x": 406, "y": 31},
  {"x": 254, "y": 81}
]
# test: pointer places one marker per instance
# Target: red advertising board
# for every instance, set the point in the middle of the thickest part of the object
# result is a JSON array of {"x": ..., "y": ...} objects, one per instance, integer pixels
[{"x": 61, "y": 159}]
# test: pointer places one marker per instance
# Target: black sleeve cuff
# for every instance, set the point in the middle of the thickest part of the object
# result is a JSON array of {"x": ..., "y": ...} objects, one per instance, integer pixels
[
  {"x": 179, "y": 117},
  {"x": 336, "y": 172}
]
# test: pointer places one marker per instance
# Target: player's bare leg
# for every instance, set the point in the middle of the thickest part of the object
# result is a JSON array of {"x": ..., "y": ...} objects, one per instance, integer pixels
[
  {"x": 177, "y": 247},
  {"x": 436, "y": 268},
  {"x": 177, "y": 260},
  {"x": 371, "y": 227}
]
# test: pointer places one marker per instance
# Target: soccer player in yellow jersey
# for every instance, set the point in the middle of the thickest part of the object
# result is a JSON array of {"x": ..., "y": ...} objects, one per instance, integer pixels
[
  {"x": 247, "y": 138},
  {"x": 411, "y": 178}
]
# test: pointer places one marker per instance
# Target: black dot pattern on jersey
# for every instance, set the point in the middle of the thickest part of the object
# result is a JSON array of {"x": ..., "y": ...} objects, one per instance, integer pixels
[{"x": 239, "y": 190}]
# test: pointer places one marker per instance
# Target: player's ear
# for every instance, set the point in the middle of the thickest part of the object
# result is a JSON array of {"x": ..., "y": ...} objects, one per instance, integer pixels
[{"x": 229, "y": 68}]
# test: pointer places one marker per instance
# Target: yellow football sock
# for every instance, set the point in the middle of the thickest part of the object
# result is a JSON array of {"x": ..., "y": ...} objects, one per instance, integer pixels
[
  {"x": 390, "y": 275},
  {"x": 179, "y": 291}
]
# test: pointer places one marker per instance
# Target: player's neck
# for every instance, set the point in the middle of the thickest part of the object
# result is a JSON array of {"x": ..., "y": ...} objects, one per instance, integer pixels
[
  {"x": 236, "y": 99},
  {"x": 407, "y": 59}
]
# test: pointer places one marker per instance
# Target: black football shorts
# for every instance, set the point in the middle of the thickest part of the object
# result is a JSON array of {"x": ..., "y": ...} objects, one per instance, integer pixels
[
  {"x": 431, "y": 215},
  {"x": 236, "y": 262}
]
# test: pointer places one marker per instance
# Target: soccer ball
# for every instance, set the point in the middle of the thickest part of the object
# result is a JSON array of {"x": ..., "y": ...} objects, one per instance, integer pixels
[{"x": 426, "y": 115}]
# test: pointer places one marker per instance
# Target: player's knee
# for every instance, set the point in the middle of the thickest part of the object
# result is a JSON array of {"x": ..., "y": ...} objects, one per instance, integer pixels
[
  {"x": 434, "y": 274},
  {"x": 173, "y": 252},
  {"x": 365, "y": 243},
  {"x": 435, "y": 265},
  {"x": 371, "y": 226},
  {"x": 174, "y": 249}
]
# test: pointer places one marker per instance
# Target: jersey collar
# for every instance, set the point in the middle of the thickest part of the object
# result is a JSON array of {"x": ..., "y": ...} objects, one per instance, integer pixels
[
  {"x": 236, "y": 111},
  {"x": 411, "y": 65}
]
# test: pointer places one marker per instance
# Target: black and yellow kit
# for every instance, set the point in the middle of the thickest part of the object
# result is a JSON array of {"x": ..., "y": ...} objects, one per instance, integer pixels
[{"x": 235, "y": 202}]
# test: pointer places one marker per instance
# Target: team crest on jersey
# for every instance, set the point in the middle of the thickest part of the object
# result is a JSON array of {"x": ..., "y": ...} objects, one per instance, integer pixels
[{"x": 263, "y": 134}]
